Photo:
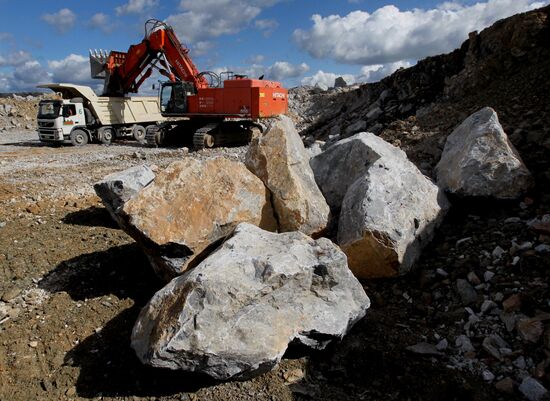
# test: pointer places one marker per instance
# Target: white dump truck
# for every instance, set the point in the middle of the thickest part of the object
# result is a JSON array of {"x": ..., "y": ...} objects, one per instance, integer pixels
[{"x": 79, "y": 116}]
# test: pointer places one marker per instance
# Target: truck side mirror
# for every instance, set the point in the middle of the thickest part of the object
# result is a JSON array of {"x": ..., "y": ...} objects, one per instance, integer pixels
[{"x": 66, "y": 113}]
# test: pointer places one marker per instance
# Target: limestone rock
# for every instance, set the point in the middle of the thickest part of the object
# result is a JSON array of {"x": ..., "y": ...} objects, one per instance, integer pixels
[
  {"x": 341, "y": 165},
  {"x": 234, "y": 315},
  {"x": 190, "y": 207},
  {"x": 118, "y": 188},
  {"x": 479, "y": 160},
  {"x": 389, "y": 214},
  {"x": 280, "y": 160}
]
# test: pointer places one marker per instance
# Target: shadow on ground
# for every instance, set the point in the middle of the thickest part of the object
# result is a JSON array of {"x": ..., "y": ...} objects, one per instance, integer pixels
[
  {"x": 371, "y": 363},
  {"x": 109, "y": 366},
  {"x": 123, "y": 271},
  {"x": 92, "y": 217}
]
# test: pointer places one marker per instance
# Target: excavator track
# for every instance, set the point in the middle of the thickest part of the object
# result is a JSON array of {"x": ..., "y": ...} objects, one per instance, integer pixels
[
  {"x": 203, "y": 137},
  {"x": 152, "y": 136}
]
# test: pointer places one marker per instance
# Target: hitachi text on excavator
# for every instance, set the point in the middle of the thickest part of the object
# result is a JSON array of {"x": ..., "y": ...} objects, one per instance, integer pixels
[{"x": 214, "y": 109}]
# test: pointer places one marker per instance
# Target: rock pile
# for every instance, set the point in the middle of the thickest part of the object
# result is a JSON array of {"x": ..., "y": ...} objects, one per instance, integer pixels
[
  {"x": 238, "y": 306},
  {"x": 17, "y": 112}
]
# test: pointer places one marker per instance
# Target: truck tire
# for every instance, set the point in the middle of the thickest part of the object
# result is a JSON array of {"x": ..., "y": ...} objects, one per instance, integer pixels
[
  {"x": 138, "y": 132},
  {"x": 106, "y": 135},
  {"x": 79, "y": 137}
]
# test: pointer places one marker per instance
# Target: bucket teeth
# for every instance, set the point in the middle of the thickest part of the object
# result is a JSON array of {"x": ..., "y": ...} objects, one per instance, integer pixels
[{"x": 98, "y": 58}]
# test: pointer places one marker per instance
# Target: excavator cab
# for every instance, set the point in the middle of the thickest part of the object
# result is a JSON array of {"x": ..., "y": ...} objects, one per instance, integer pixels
[{"x": 173, "y": 97}]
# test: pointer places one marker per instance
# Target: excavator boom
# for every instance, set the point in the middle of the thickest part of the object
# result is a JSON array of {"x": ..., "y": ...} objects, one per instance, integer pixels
[{"x": 160, "y": 48}]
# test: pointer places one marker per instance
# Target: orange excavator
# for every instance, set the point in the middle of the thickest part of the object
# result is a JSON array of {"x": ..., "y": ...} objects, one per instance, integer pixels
[{"x": 214, "y": 108}]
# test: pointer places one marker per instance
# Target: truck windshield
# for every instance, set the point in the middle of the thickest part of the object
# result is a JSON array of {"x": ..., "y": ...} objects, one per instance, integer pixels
[{"x": 49, "y": 109}]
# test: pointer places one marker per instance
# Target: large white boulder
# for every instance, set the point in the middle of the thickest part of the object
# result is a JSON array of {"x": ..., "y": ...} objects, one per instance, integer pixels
[
  {"x": 479, "y": 160},
  {"x": 389, "y": 213},
  {"x": 280, "y": 160},
  {"x": 190, "y": 207},
  {"x": 341, "y": 165},
  {"x": 234, "y": 315}
]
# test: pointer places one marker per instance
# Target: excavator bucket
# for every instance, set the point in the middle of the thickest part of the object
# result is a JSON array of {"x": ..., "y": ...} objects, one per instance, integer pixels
[{"x": 98, "y": 59}]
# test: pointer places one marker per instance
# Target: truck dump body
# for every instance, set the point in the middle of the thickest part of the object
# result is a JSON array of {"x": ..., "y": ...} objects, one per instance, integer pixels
[
  {"x": 112, "y": 110},
  {"x": 126, "y": 110}
]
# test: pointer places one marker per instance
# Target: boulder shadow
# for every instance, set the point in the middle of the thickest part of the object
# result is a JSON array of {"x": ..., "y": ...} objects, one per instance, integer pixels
[
  {"x": 107, "y": 364},
  {"x": 123, "y": 271},
  {"x": 110, "y": 368},
  {"x": 92, "y": 217},
  {"x": 371, "y": 363}
]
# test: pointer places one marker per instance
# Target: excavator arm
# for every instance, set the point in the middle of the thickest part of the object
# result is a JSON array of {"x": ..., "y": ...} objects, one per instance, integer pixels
[{"x": 160, "y": 48}]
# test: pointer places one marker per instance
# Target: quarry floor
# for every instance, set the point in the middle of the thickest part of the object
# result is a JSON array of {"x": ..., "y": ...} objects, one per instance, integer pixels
[{"x": 72, "y": 284}]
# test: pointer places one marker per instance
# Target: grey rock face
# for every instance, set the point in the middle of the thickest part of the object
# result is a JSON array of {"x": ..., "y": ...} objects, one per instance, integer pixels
[
  {"x": 479, "y": 160},
  {"x": 279, "y": 159},
  {"x": 118, "y": 188},
  {"x": 341, "y": 165},
  {"x": 234, "y": 315},
  {"x": 340, "y": 82},
  {"x": 388, "y": 214},
  {"x": 357, "y": 126}
]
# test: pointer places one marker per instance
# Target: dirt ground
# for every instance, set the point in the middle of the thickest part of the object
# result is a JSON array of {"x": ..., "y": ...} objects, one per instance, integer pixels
[{"x": 72, "y": 284}]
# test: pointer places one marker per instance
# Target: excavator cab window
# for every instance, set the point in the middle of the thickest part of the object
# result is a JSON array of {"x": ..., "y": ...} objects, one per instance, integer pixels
[{"x": 173, "y": 97}]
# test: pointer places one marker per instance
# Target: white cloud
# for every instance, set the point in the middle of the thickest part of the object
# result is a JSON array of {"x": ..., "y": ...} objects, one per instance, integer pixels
[
  {"x": 326, "y": 79},
  {"x": 207, "y": 19},
  {"x": 102, "y": 22},
  {"x": 6, "y": 37},
  {"x": 389, "y": 34},
  {"x": 278, "y": 71},
  {"x": 61, "y": 21},
  {"x": 256, "y": 59},
  {"x": 267, "y": 26},
  {"x": 369, "y": 73},
  {"x": 26, "y": 77},
  {"x": 201, "y": 48},
  {"x": 374, "y": 73},
  {"x": 74, "y": 68},
  {"x": 15, "y": 58},
  {"x": 136, "y": 7},
  {"x": 282, "y": 70}
]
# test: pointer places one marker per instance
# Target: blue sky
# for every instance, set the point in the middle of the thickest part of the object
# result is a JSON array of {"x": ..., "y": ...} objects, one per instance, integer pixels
[{"x": 296, "y": 42}]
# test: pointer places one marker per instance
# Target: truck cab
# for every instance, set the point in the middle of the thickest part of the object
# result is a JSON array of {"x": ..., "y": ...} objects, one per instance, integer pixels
[{"x": 58, "y": 118}]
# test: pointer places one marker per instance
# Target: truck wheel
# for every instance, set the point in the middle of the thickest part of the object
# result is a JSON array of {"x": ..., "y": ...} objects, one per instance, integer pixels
[
  {"x": 79, "y": 137},
  {"x": 139, "y": 133},
  {"x": 106, "y": 135}
]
